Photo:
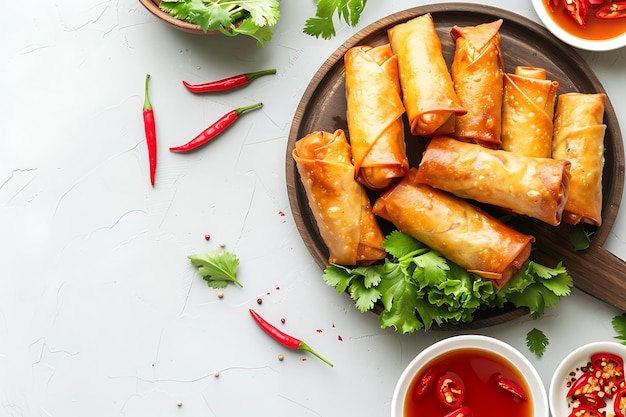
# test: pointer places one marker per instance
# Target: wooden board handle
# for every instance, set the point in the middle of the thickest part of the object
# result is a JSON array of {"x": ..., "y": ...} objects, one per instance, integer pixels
[{"x": 602, "y": 275}]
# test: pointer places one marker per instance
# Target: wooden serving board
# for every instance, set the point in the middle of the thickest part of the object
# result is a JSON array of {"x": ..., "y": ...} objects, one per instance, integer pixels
[{"x": 323, "y": 107}]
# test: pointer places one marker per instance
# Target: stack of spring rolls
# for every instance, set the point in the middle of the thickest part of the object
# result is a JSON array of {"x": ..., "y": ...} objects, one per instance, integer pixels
[{"x": 503, "y": 139}]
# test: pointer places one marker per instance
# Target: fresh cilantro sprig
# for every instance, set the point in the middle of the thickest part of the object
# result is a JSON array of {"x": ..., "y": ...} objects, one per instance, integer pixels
[
  {"x": 417, "y": 287},
  {"x": 537, "y": 342},
  {"x": 619, "y": 325},
  {"x": 322, "y": 24},
  {"x": 580, "y": 236},
  {"x": 255, "y": 18},
  {"x": 218, "y": 268}
]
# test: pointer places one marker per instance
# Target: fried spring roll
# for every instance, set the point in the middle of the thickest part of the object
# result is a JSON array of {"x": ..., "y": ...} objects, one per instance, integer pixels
[
  {"x": 477, "y": 72},
  {"x": 579, "y": 138},
  {"x": 428, "y": 92},
  {"x": 374, "y": 114},
  {"x": 528, "y": 112},
  {"x": 340, "y": 204},
  {"x": 535, "y": 187},
  {"x": 454, "y": 227}
]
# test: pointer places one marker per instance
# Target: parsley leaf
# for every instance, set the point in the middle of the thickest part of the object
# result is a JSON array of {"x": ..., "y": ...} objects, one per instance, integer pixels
[
  {"x": 217, "y": 268},
  {"x": 619, "y": 325},
  {"x": 255, "y": 18},
  {"x": 537, "y": 342},
  {"x": 322, "y": 24},
  {"x": 580, "y": 236}
]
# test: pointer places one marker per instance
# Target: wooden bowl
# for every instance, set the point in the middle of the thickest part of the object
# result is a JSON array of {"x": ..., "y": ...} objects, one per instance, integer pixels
[{"x": 153, "y": 7}]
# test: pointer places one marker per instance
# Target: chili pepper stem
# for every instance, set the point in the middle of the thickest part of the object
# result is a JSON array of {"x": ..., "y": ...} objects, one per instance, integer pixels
[
  {"x": 240, "y": 110},
  {"x": 252, "y": 75},
  {"x": 146, "y": 102},
  {"x": 305, "y": 347}
]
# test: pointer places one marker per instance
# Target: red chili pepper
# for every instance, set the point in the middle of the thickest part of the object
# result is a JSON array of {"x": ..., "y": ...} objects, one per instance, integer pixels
[
  {"x": 586, "y": 383},
  {"x": 619, "y": 403},
  {"x": 460, "y": 412},
  {"x": 609, "y": 368},
  {"x": 592, "y": 399},
  {"x": 150, "y": 128},
  {"x": 578, "y": 10},
  {"x": 584, "y": 411},
  {"x": 616, "y": 10},
  {"x": 450, "y": 391},
  {"x": 511, "y": 387},
  {"x": 425, "y": 381},
  {"x": 215, "y": 129},
  {"x": 283, "y": 338},
  {"x": 227, "y": 83}
]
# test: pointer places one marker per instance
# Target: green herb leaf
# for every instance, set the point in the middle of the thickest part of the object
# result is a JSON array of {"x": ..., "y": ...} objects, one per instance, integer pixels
[
  {"x": 255, "y": 18},
  {"x": 580, "y": 236},
  {"x": 322, "y": 24},
  {"x": 619, "y": 325},
  {"x": 537, "y": 342},
  {"x": 217, "y": 268},
  {"x": 417, "y": 287}
]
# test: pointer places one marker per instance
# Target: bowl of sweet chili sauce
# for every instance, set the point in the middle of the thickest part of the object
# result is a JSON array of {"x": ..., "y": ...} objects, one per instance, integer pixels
[
  {"x": 470, "y": 375},
  {"x": 595, "y": 25}
]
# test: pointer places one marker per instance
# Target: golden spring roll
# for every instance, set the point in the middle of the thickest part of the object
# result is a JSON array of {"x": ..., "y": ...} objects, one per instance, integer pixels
[
  {"x": 374, "y": 116},
  {"x": 477, "y": 72},
  {"x": 340, "y": 204},
  {"x": 428, "y": 93},
  {"x": 579, "y": 138},
  {"x": 458, "y": 230},
  {"x": 535, "y": 187},
  {"x": 528, "y": 112}
]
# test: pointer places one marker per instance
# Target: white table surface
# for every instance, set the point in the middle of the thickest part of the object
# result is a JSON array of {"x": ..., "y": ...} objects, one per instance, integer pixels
[{"x": 101, "y": 312}]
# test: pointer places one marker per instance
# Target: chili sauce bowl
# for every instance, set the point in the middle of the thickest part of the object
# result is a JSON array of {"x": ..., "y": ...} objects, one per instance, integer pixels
[
  {"x": 481, "y": 364},
  {"x": 570, "y": 369},
  {"x": 568, "y": 31}
]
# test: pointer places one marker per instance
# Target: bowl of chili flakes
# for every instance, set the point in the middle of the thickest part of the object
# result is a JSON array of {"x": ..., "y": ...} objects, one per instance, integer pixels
[
  {"x": 590, "y": 380},
  {"x": 592, "y": 25}
]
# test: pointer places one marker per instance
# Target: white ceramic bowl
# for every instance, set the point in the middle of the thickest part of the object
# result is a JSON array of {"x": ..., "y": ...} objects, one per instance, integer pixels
[
  {"x": 504, "y": 350},
  {"x": 586, "y": 44},
  {"x": 577, "y": 358}
]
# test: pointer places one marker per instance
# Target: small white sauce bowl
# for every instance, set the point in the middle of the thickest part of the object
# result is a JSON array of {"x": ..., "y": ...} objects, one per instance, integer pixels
[
  {"x": 580, "y": 43},
  {"x": 498, "y": 347},
  {"x": 571, "y": 363}
]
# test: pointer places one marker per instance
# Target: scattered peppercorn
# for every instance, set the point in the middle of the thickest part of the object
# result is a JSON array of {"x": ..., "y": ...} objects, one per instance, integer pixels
[
  {"x": 259, "y": 301},
  {"x": 281, "y": 357},
  {"x": 207, "y": 237},
  {"x": 179, "y": 403},
  {"x": 222, "y": 244},
  {"x": 282, "y": 320},
  {"x": 220, "y": 294},
  {"x": 216, "y": 374}
]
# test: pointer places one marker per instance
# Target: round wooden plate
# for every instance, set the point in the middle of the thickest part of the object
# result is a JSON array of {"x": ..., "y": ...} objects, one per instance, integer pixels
[{"x": 323, "y": 107}]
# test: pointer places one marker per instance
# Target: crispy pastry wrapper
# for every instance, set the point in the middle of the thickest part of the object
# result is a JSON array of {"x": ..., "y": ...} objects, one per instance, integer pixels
[
  {"x": 428, "y": 92},
  {"x": 528, "y": 112},
  {"x": 461, "y": 232},
  {"x": 535, "y": 187},
  {"x": 477, "y": 71},
  {"x": 339, "y": 203},
  {"x": 579, "y": 138},
  {"x": 374, "y": 114}
]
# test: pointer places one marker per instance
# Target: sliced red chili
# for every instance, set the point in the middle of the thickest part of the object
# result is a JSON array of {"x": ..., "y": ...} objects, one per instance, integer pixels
[
  {"x": 425, "y": 381},
  {"x": 215, "y": 129},
  {"x": 616, "y": 10},
  {"x": 592, "y": 399},
  {"x": 227, "y": 83},
  {"x": 586, "y": 383},
  {"x": 460, "y": 412},
  {"x": 578, "y": 10},
  {"x": 609, "y": 369},
  {"x": 511, "y": 387},
  {"x": 585, "y": 411},
  {"x": 619, "y": 403},
  {"x": 450, "y": 391}
]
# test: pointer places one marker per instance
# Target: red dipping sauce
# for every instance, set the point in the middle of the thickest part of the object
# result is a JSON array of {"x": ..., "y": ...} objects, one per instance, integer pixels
[
  {"x": 595, "y": 29},
  {"x": 477, "y": 369}
]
